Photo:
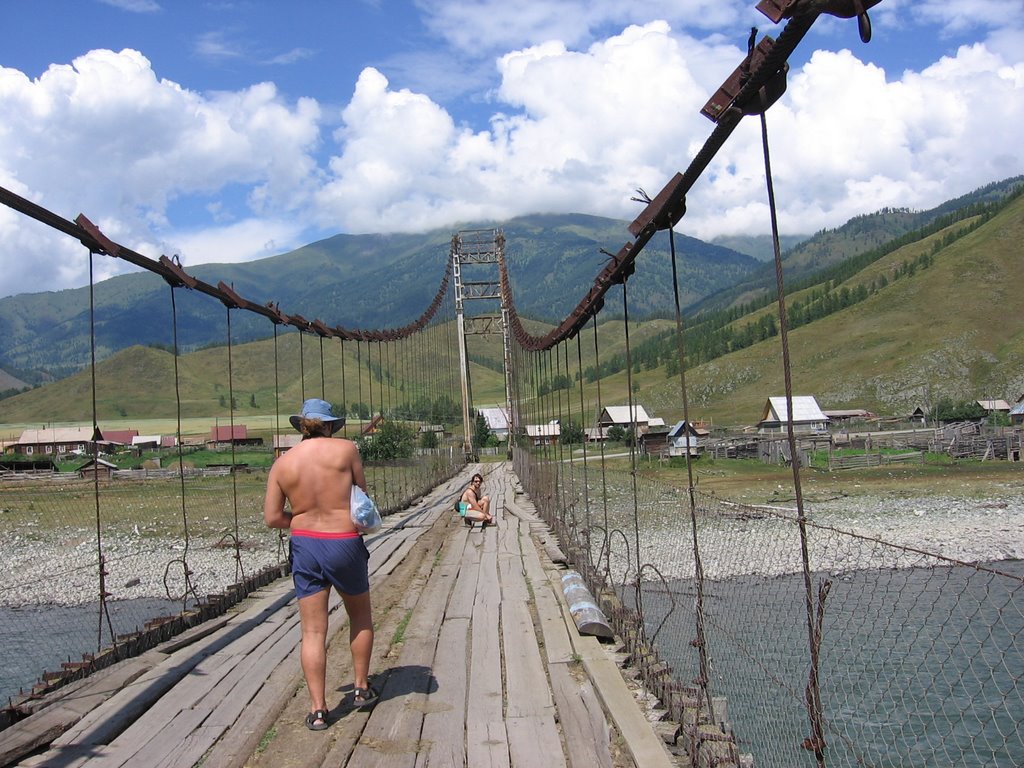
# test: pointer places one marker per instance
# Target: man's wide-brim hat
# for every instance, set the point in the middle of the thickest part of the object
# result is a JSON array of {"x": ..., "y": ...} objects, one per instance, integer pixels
[{"x": 321, "y": 410}]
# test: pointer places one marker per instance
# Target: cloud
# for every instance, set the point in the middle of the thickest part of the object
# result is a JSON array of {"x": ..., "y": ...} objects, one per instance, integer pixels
[
  {"x": 216, "y": 45},
  {"x": 105, "y": 137},
  {"x": 968, "y": 14},
  {"x": 582, "y": 129},
  {"x": 135, "y": 6},
  {"x": 239, "y": 242},
  {"x": 293, "y": 56},
  {"x": 572, "y": 127},
  {"x": 485, "y": 26},
  {"x": 845, "y": 140}
]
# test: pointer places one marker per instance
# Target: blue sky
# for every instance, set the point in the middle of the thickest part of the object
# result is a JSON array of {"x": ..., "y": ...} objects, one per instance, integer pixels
[{"x": 226, "y": 131}]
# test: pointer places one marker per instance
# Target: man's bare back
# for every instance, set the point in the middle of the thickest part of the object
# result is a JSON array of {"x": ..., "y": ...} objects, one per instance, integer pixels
[{"x": 316, "y": 478}]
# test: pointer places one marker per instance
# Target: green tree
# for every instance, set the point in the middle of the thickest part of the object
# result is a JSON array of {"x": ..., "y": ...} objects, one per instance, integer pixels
[
  {"x": 571, "y": 433},
  {"x": 616, "y": 433},
  {"x": 392, "y": 440},
  {"x": 428, "y": 439},
  {"x": 482, "y": 435}
]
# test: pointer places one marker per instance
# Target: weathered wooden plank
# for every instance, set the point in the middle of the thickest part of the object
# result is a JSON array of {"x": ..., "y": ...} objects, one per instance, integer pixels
[
  {"x": 557, "y": 646},
  {"x": 109, "y": 719},
  {"x": 46, "y": 725},
  {"x": 391, "y": 737},
  {"x": 463, "y": 597},
  {"x": 242, "y": 739},
  {"x": 189, "y": 690},
  {"x": 196, "y": 633},
  {"x": 72, "y": 756},
  {"x": 644, "y": 745},
  {"x": 486, "y": 738},
  {"x": 232, "y": 695},
  {"x": 161, "y": 750},
  {"x": 584, "y": 727},
  {"x": 444, "y": 723},
  {"x": 533, "y": 741},
  {"x": 528, "y": 690},
  {"x": 486, "y": 743}
]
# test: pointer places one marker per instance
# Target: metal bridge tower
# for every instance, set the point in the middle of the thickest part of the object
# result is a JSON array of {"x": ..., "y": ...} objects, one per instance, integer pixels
[{"x": 483, "y": 251}]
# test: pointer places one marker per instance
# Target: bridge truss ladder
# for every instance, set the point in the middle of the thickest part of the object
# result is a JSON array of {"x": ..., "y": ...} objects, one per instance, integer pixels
[{"x": 483, "y": 252}]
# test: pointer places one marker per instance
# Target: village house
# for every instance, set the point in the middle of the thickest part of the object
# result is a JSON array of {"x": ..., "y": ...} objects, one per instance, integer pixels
[
  {"x": 808, "y": 418},
  {"x": 283, "y": 442},
  {"x": 437, "y": 429},
  {"x": 994, "y": 406},
  {"x": 1017, "y": 412},
  {"x": 96, "y": 469},
  {"x": 224, "y": 437},
  {"x": 849, "y": 414},
  {"x": 497, "y": 422},
  {"x": 56, "y": 441},
  {"x": 683, "y": 437},
  {"x": 544, "y": 434},
  {"x": 654, "y": 442},
  {"x": 620, "y": 416},
  {"x": 120, "y": 437},
  {"x": 154, "y": 442}
]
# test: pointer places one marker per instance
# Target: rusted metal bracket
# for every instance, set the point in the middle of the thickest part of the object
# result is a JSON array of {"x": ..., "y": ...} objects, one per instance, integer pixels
[
  {"x": 177, "y": 277},
  {"x": 726, "y": 99},
  {"x": 665, "y": 210},
  {"x": 776, "y": 10}
]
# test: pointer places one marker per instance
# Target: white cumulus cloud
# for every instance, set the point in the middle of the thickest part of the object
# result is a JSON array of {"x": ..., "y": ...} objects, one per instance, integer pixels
[{"x": 579, "y": 118}]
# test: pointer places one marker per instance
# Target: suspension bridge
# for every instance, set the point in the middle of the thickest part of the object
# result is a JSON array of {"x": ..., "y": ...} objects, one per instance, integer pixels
[{"x": 735, "y": 635}]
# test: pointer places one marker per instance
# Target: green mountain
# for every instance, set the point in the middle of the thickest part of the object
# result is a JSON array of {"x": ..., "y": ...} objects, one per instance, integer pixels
[
  {"x": 760, "y": 247},
  {"x": 946, "y": 320},
  {"x": 829, "y": 247},
  {"x": 938, "y": 317},
  {"x": 934, "y": 313},
  {"x": 363, "y": 281}
]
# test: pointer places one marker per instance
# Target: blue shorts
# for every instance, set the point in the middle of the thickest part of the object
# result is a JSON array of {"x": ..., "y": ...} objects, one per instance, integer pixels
[{"x": 321, "y": 560}]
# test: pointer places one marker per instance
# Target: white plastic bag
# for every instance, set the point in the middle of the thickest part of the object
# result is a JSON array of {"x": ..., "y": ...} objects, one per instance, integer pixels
[{"x": 364, "y": 511}]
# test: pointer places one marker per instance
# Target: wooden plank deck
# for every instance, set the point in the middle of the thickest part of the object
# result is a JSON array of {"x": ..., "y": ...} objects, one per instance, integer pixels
[{"x": 477, "y": 660}]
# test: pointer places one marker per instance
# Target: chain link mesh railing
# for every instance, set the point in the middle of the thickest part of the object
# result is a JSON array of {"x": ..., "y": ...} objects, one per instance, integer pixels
[{"x": 920, "y": 655}]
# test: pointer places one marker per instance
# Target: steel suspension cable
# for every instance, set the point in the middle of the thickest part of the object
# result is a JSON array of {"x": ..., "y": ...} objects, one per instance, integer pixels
[
  {"x": 704, "y": 679},
  {"x": 568, "y": 407},
  {"x": 816, "y": 742},
  {"x": 604, "y": 475},
  {"x": 344, "y": 395},
  {"x": 239, "y": 571},
  {"x": 104, "y": 612},
  {"x": 323, "y": 387},
  {"x": 586, "y": 476},
  {"x": 281, "y": 536},
  {"x": 632, "y": 443},
  {"x": 186, "y": 571},
  {"x": 302, "y": 367}
]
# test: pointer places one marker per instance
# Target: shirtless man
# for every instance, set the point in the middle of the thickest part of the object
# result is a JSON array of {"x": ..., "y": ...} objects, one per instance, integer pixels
[
  {"x": 473, "y": 506},
  {"x": 315, "y": 478}
]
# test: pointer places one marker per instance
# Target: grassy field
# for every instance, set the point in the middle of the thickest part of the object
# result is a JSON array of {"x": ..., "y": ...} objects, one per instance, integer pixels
[{"x": 752, "y": 482}]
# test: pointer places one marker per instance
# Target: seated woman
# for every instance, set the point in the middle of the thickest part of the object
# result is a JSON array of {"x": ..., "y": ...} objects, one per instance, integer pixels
[{"x": 473, "y": 506}]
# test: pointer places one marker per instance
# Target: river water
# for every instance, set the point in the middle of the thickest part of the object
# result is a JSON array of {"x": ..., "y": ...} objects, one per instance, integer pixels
[
  {"x": 919, "y": 666},
  {"x": 43, "y": 630}
]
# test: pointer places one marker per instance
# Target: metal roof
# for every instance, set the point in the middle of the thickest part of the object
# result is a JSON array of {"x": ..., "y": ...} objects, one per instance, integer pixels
[{"x": 805, "y": 410}]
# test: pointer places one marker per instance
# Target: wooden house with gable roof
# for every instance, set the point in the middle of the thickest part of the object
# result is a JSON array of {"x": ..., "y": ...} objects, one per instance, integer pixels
[{"x": 808, "y": 418}]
